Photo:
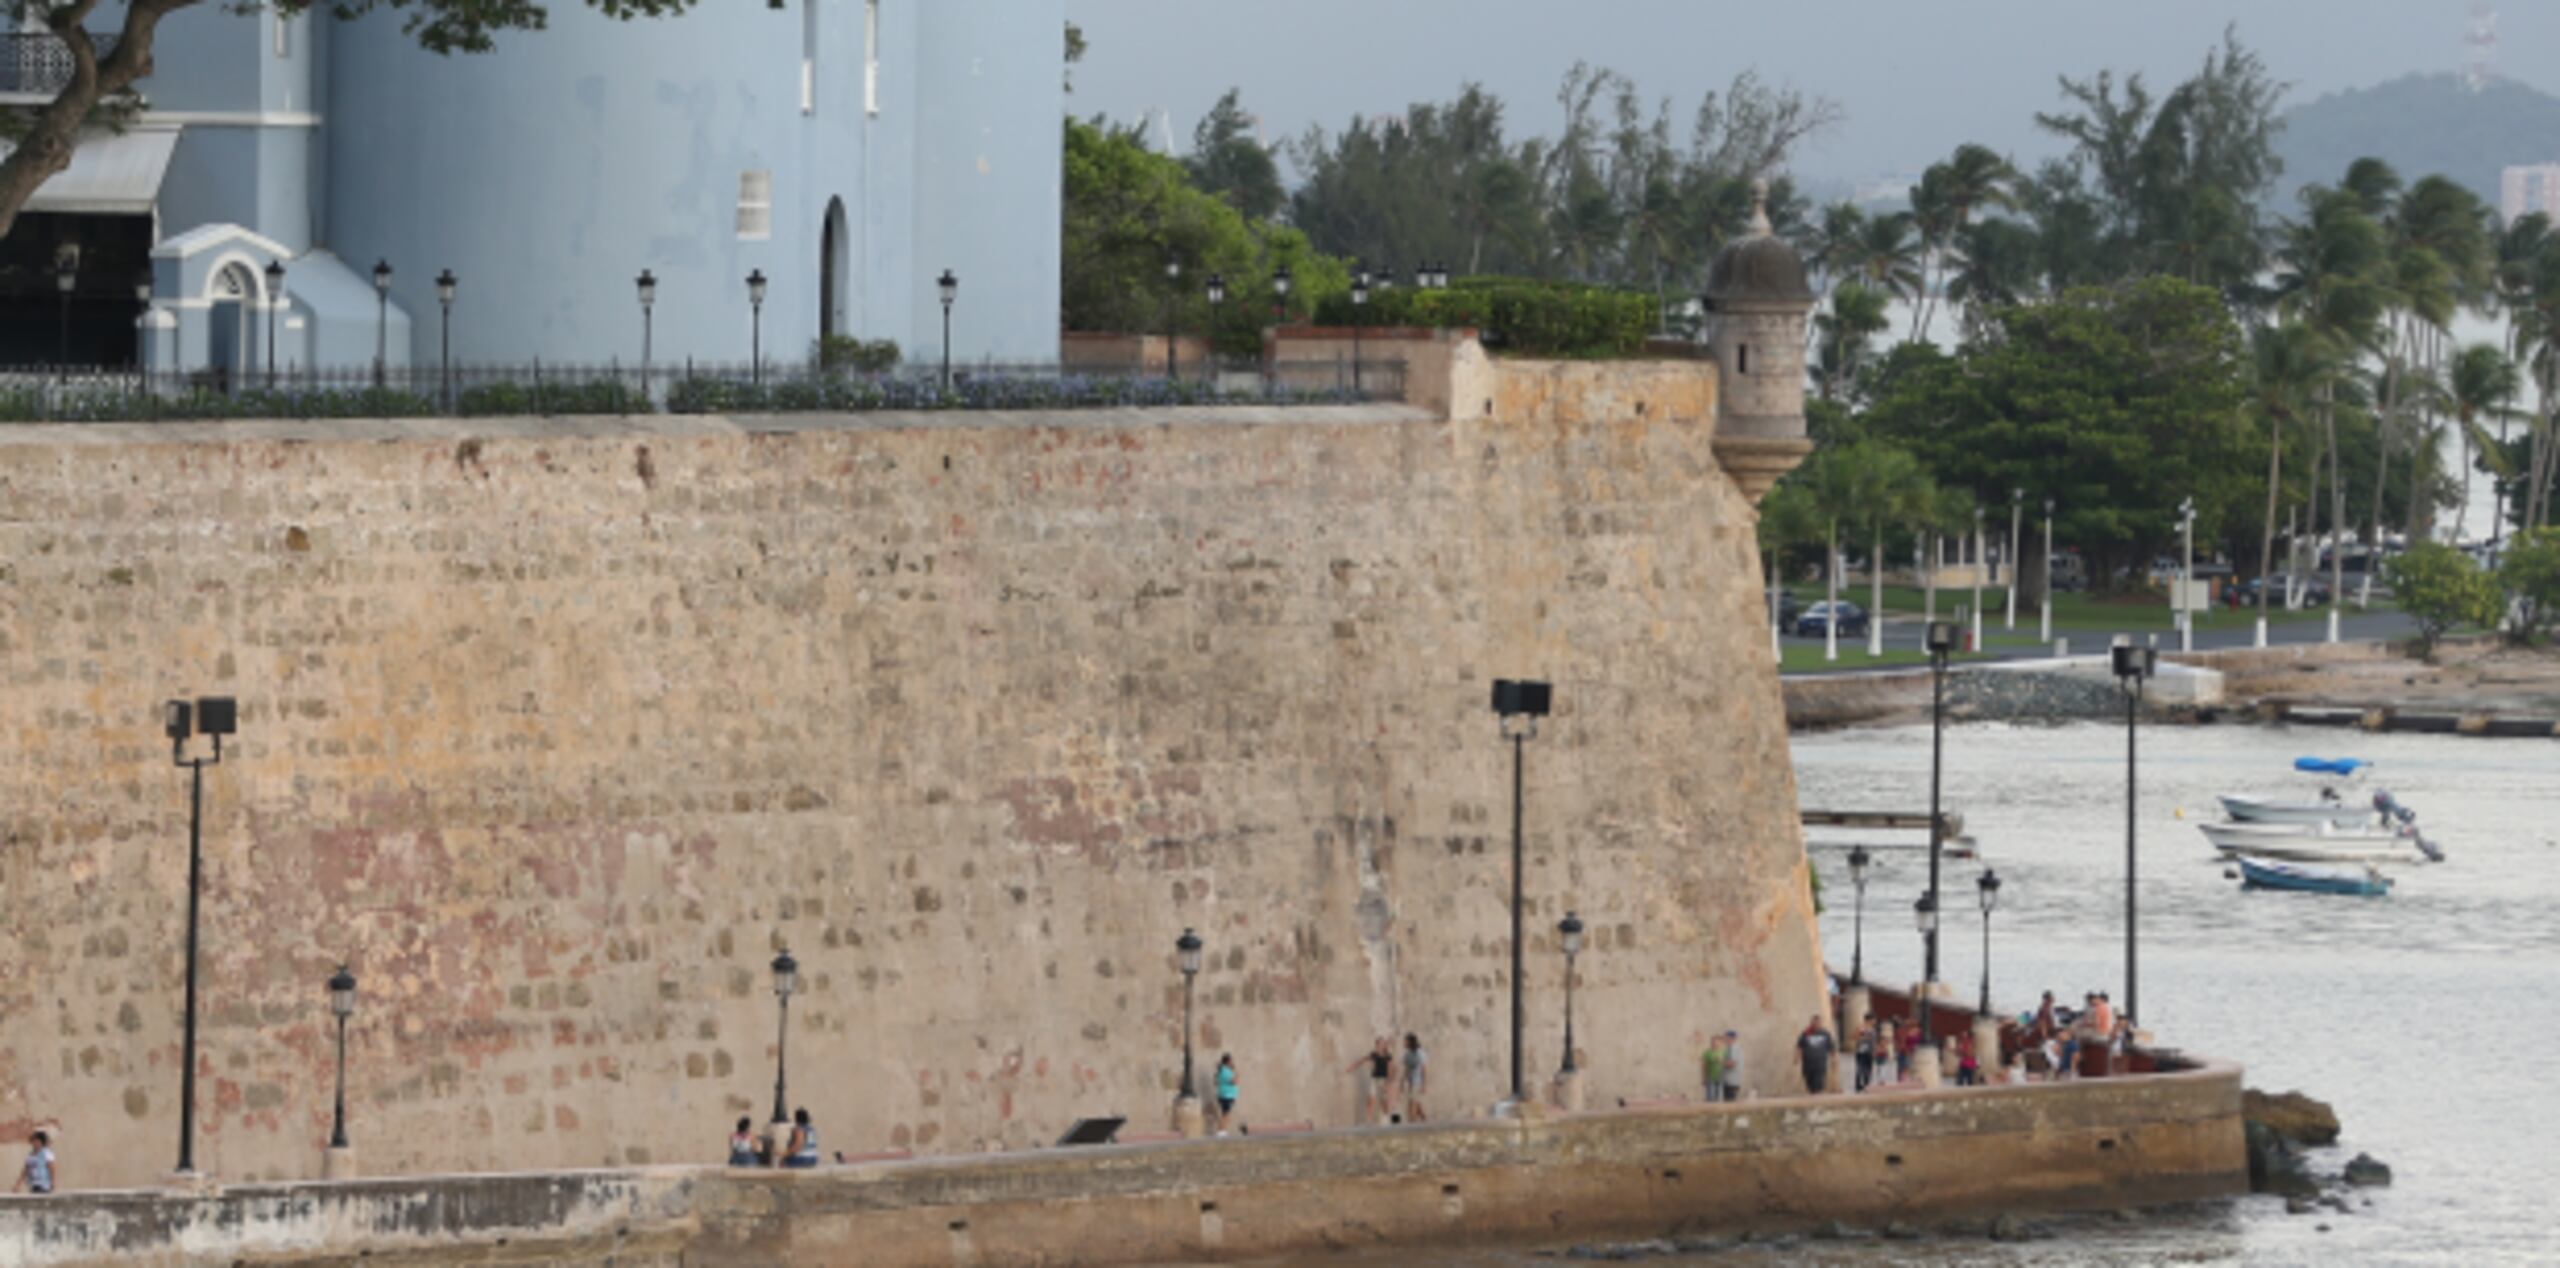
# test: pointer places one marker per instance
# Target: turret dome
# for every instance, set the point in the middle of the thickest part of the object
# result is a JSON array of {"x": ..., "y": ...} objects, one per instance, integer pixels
[{"x": 1759, "y": 267}]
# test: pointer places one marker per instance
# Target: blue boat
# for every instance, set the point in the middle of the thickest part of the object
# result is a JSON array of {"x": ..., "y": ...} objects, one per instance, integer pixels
[{"x": 2361, "y": 882}]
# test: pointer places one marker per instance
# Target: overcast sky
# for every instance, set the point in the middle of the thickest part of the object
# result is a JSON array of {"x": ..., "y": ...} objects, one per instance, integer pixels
[{"x": 1915, "y": 76}]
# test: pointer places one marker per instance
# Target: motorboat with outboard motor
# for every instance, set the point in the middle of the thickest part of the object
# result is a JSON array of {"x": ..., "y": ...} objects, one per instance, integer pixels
[
  {"x": 2323, "y": 843},
  {"x": 2363, "y": 882},
  {"x": 2330, "y": 808}
]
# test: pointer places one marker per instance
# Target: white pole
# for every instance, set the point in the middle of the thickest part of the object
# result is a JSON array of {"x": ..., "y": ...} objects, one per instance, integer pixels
[
  {"x": 2187, "y": 581},
  {"x": 1831, "y": 614},
  {"x": 2044, "y": 633},
  {"x": 1979, "y": 564},
  {"x": 2017, "y": 512}
]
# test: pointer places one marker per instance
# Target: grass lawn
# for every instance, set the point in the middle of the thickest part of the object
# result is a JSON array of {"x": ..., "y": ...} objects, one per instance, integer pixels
[{"x": 2075, "y": 613}]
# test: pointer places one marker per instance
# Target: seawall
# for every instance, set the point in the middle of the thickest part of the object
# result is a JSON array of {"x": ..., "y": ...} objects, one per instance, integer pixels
[
  {"x": 557, "y": 731},
  {"x": 1788, "y": 1163}
]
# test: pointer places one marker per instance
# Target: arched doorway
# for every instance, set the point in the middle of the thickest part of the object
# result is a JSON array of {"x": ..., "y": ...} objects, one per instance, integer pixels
[
  {"x": 835, "y": 270},
  {"x": 230, "y": 335}
]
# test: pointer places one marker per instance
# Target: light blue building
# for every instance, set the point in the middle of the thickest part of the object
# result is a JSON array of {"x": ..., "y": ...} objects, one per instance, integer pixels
[{"x": 849, "y": 150}]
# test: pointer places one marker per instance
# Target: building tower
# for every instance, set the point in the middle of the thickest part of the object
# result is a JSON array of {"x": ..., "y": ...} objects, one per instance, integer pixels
[
  {"x": 1757, "y": 306},
  {"x": 2480, "y": 68}
]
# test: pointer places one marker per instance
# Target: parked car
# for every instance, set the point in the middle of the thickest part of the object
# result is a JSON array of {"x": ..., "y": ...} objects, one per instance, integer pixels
[
  {"x": 2245, "y": 594},
  {"x": 1789, "y": 607},
  {"x": 1816, "y": 619}
]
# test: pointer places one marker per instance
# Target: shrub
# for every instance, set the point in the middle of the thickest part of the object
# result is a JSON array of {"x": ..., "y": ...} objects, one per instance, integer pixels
[
  {"x": 1543, "y": 319},
  {"x": 2530, "y": 574},
  {"x": 862, "y": 356},
  {"x": 2440, "y": 588},
  {"x": 600, "y": 396}
]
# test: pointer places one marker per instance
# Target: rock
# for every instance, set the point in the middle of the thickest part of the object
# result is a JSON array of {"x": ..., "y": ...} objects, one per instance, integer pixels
[
  {"x": 2299, "y": 1206},
  {"x": 1897, "y": 1231},
  {"x": 1833, "y": 1231},
  {"x": 2297, "y": 1118},
  {"x": 2273, "y": 1165},
  {"x": 2317, "y": 1228},
  {"x": 2008, "y": 1228},
  {"x": 1700, "y": 1245},
  {"x": 2366, "y": 1172}
]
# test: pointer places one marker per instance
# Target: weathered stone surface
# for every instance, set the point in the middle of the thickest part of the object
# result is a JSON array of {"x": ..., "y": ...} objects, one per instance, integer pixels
[
  {"x": 2292, "y": 1115},
  {"x": 2274, "y": 1167},
  {"x": 558, "y": 735},
  {"x": 2366, "y": 1172}
]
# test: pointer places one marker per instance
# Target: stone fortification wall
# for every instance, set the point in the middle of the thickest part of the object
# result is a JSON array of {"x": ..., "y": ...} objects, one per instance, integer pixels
[
  {"x": 556, "y": 738},
  {"x": 1946, "y": 1156}
]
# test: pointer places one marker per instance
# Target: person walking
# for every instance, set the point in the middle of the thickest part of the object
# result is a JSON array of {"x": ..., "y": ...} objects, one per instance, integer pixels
[
  {"x": 1381, "y": 1060},
  {"x": 1416, "y": 1078},
  {"x": 1907, "y": 1058},
  {"x": 1732, "y": 1066},
  {"x": 37, "y": 1174},
  {"x": 803, "y": 1150},
  {"x": 1711, "y": 1069},
  {"x": 1814, "y": 1051},
  {"x": 1968, "y": 1071},
  {"x": 742, "y": 1145},
  {"x": 1866, "y": 1050},
  {"x": 1888, "y": 1059},
  {"x": 1226, "y": 1090}
]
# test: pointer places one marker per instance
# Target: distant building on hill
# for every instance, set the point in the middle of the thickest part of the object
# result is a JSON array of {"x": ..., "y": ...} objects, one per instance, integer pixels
[{"x": 2529, "y": 188}]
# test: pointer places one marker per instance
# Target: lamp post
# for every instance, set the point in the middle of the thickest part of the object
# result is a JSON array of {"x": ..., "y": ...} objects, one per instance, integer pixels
[
  {"x": 1359, "y": 304},
  {"x": 2017, "y": 513},
  {"x": 949, "y": 283},
  {"x": 275, "y": 300},
  {"x": 1217, "y": 292},
  {"x": 1924, "y": 914},
  {"x": 215, "y": 717},
  {"x": 1172, "y": 295},
  {"x": 381, "y": 320},
  {"x": 1281, "y": 281},
  {"x": 1569, "y": 935},
  {"x": 755, "y": 327},
  {"x": 342, "y": 1002},
  {"x": 445, "y": 285},
  {"x": 2044, "y": 631},
  {"x": 2187, "y": 577},
  {"x": 142, "y": 299},
  {"x": 786, "y": 979},
  {"x": 1858, "y": 860},
  {"x": 2131, "y": 664},
  {"x": 1980, "y": 565},
  {"x": 1186, "y": 953},
  {"x": 647, "y": 283},
  {"x": 1519, "y": 703},
  {"x": 1988, "y": 887},
  {"x": 66, "y": 275},
  {"x": 1942, "y": 638}
]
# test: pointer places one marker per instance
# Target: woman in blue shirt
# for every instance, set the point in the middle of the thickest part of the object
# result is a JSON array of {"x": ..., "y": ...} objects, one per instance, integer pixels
[{"x": 1226, "y": 1090}]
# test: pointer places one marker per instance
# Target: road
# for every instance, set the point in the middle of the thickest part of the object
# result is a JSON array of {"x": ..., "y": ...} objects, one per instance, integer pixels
[{"x": 2224, "y": 629}]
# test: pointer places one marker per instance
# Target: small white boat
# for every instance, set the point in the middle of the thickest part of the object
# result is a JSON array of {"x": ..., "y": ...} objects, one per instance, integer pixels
[
  {"x": 2365, "y": 882},
  {"x": 2270, "y": 810},
  {"x": 2318, "y": 843}
]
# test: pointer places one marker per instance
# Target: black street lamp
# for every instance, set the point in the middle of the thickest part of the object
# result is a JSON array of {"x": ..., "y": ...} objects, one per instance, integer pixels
[
  {"x": 1924, "y": 914},
  {"x": 1186, "y": 952},
  {"x": 66, "y": 275},
  {"x": 1519, "y": 704},
  {"x": 215, "y": 717},
  {"x": 647, "y": 283},
  {"x": 275, "y": 300},
  {"x": 1172, "y": 330},
  {"x": 2131, "y": 664},
  {"x": 950, "y": 284},
  {"x": 381, "y": 320},
  {"x": 755, "y": 330},
  {"x": 1569, "y": 936},
  {"x": 786, "y": 979},
  {"x": 1359, "y": 304},
  {"x": 445, "y": 285},
  {"x": 1989, "y": 888},
  {"x": 1281, "y": 281},
  {"x": 1858, "y": 860},
  {"x": 1217, "y": 291},
  {"x": 1942, "y": 640},
  {"x": 342, "y": 1001}
]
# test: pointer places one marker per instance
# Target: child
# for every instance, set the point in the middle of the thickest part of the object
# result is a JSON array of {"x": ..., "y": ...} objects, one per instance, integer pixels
[
  {"x": 36, "y": 1176},
  {"x": 742, "y": 1145}
]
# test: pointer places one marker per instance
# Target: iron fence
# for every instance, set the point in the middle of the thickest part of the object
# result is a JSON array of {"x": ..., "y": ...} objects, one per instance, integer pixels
[
  {"x": 39, "y": 62},
  {"x": 106, "y": 394}
]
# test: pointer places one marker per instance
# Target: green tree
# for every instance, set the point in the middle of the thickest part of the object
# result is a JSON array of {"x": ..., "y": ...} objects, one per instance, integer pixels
[
  {"x": 2529, "y": 572},
  {"x": 100, "y": 87},
  {"x": 2440, "y": 588},
  {"x": 2482, "y": 386},
  {"x": 1949, "y": 193},
  {"x": 1843, "y": 333},
  {"x": 1228, "y": 162},
  {"x": 2292, "y": 368}
]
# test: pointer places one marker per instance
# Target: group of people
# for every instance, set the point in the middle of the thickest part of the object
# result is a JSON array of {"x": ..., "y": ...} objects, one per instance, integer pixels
[
  {"x": 1390, "y": 1071},
  {"x": 2059, "y": 1037},
  {"x": 1721, "y": 1067},
  {"x": 799, "y": 1149}
]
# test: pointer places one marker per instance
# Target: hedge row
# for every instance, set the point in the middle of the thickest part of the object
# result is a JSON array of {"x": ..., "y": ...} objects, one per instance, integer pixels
[{"x": 1526, "y": 318}]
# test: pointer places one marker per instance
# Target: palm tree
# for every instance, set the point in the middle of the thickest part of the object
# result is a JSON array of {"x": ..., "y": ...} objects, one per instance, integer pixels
[
  {"x": 2483, "y": 385},
  {"x": 2293, "y": 368},
  {"x": 2328, "y": 268},
  {"x": 1857, "y": 315},
  {"x": 1996, "y": 268},
  {"x": 1787, "y": 515},
  {"x": 1886, "y": 481},
  {"x": 1972, "y": 178},
  {"x": 1887, "y": 256}
]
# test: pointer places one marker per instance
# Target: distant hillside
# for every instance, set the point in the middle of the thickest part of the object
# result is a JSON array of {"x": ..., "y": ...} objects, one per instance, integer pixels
[{"x": 2419, "y": 124}]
